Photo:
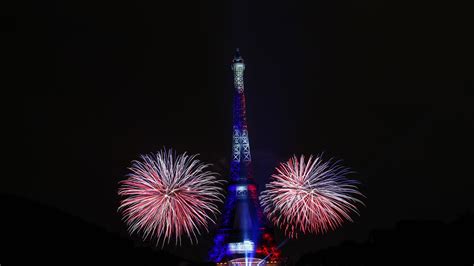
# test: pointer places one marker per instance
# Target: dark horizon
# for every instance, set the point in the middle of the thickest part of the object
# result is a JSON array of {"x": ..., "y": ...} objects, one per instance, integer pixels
[
  {"x": 409, "y": 242},
  {"x": 385, "y": 86}
]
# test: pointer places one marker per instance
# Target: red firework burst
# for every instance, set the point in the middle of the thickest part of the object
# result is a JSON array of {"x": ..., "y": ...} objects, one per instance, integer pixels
[
  {"x": 168, "y": 196},
  {"x": 310, "y": 196}
]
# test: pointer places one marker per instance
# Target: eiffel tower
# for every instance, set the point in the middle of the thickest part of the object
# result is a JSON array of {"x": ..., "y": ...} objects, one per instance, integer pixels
[{"x": 242, "y": 238}]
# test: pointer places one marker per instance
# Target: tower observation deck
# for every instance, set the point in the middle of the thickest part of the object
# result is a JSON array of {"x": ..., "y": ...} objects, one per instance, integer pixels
[{"x": 242, "y": 237}]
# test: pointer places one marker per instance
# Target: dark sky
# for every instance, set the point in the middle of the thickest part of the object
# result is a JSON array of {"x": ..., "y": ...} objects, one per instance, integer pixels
[{"x": 385, "y": 85}]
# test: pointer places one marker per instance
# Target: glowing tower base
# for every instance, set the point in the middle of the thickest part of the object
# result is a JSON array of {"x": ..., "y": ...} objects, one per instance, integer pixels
[
  {"x": 246, "y": 262},
  {"x": 250, "y": 262}
]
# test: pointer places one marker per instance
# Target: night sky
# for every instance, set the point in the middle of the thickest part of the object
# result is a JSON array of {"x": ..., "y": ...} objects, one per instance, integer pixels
[{"x": 384, "y": 85}]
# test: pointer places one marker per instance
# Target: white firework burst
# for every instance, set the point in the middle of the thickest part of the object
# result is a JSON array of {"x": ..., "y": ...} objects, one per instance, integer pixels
[
  {"x": 168, "y": 196},
  {"x": 310, "y": 196}
]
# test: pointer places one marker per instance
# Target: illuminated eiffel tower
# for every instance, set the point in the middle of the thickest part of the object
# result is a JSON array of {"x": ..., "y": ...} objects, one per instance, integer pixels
[{"x": 242, "y": 238}]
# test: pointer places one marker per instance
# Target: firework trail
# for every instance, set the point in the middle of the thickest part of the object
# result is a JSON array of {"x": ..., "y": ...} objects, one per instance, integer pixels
[
  {"x": 167, "y": 196},
  {"x": 310, "y": 196}
]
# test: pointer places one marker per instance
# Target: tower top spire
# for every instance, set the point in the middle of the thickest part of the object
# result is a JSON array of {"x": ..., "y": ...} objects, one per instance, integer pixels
[
  {"x": 237, "y": 57},
  {"x": 238, "y": 67}
]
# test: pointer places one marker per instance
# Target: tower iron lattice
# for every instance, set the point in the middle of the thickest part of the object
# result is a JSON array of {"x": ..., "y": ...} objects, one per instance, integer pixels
[{"x": 242, "y": 237}]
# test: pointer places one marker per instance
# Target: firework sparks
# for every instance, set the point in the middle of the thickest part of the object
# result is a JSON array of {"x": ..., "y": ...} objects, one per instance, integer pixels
[
  {"x": 310, "y": 196},
  {"x": 167, "y": 196}
]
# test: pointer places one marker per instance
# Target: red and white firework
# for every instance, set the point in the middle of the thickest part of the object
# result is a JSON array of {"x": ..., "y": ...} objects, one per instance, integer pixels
[
  {"x": 312, "y": 196},
  {"x": 168, "y": 196}
]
